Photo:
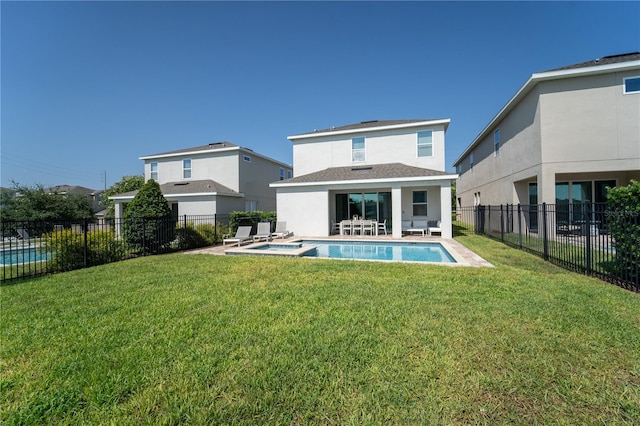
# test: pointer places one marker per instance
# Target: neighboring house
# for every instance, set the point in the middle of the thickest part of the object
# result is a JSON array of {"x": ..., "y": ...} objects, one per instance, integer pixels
[
  {"x": 93, "y": 196},
  {"x": 217, "y": 178},
  {"x": 565, "y": 136},
  {"x": 380, "y": 170}
]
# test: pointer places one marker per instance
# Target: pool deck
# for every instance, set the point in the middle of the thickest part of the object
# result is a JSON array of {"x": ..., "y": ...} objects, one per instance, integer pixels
[{"x": 463, "y": 256}]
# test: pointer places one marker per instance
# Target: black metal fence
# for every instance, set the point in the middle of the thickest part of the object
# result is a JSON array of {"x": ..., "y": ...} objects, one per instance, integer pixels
[
  {"x": 590, "y": 238},
  {"x": 32, "y": 248}
]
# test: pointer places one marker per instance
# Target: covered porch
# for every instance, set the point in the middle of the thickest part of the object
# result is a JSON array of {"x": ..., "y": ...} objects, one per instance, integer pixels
[{"x": 315, "y": 205}]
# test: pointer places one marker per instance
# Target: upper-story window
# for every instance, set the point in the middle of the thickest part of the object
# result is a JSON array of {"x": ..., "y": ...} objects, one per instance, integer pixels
[
  {"x": 632, "y": 85},
  {"x": 281, "y": 173},
  {"x": 186, "y": 168},
  {"x": 357, "y": 149},
  {"x": 425, "y": 144},
  {"x": 289, "y": 174},
  {"x": 153, "y": 169},
  {"x": 246, "y": 158},
  {"x": 496, "y": 142}
]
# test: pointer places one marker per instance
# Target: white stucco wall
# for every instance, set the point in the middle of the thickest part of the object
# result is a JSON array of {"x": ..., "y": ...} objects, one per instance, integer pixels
[
  {"x": 305, "y": 211},
  {"x": 381, "y": 147}
]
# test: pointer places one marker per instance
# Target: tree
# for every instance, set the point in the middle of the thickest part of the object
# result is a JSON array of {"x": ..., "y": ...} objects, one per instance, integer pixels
[
  {"x": 623, "y": 218},
  {"x": 126, "y": 184},
  {"x": 148, "y": 223},
  {"x": 35, "y": 203}
]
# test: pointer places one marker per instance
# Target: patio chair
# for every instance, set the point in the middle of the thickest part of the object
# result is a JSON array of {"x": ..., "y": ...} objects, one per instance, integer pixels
[
  {"x": 382, "y": 226},
  {"x": 434, "y": 227},
  {"x": 242, "y": 235},
  {"x": 356, "y": 227},
  {"x": 22, "y": 234},
  {"x": 263, "y": 232},
  {"x": 281, "y": 230},
  {"x": 335, "y": 227},
  {"x": 366, "y": 226},
  {"x": 345, "y": 226}
]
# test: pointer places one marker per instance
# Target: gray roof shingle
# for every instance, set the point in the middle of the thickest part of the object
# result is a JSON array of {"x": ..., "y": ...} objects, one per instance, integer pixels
[
  {"x": 365, "y": 172},
  {"x": 189, "y": 187},
  {"x": 606, "y": 60}
]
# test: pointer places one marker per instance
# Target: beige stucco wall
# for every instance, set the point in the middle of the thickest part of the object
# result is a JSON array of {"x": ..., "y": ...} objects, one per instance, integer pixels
[
  {"x": 581, "y": 125},
  {"x": 255, "y": 178},
  {"x": 386, "y": 146},
  {"x": 221, "y": 167}
]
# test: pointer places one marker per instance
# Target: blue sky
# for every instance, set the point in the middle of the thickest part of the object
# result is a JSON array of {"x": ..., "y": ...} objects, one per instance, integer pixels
[{"x": 89, "y": 87}]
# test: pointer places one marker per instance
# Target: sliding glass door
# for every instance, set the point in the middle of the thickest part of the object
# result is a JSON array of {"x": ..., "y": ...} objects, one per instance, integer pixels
[{"x": 368, "y": 205}]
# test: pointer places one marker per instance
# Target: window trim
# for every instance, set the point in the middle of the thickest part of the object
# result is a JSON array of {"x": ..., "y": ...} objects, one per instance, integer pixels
[
  {"x": 624, "y": 85},
  {"x": 281, "y": 173},
  {"x": 246, "y": 158},
  {"x": 418, "y": 144},
  {"x": 151, "y": 171},
  {"x": 186, "y": 169},
  {"x": 362, "y": 150}
]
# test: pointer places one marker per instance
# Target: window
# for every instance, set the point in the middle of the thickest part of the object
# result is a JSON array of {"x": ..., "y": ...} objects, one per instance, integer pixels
[
  {"x": 281, "y": 173},
  {"x": 496, "y": 142},
  {"x": 250, "y": 206},
  {"x": 458, "y": 168},
  {"x": 153, "y": 167},
  {"x": 471, "y": 162},
  {"x": 289, "y": 174},
  {"x": 425, "y": 144},
  {"x": 186, "y": 168},
  {"x": 357, "y": 149},
  {"x": 419, "y": 203},
  {"x": 246, "y": 158},
  {"x": 631, "y": 85}
]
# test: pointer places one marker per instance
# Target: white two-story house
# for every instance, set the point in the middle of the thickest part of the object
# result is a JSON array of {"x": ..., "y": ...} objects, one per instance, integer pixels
[
  {"x": 217, "y": 178},
  {"x": 379, "y": 170}
]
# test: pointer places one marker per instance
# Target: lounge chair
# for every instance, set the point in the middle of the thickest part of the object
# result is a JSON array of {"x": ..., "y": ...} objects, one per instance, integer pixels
[
  {"x": 242, "y": 235},
  {"x": 22, "y": 234},
  {"x": 281, "y": 230},
  {"x": 264, "y": 232},
  {"x": 434, "y": 227}
]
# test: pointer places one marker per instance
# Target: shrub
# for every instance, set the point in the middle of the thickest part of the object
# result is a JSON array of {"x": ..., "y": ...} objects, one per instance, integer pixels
[
  {"x": 623, "y": 217},
  {"x": 148, "y": 223},
  {"x": 249, "y": 219},
  {"x": 68, "y": 249},
  {"x": 205, "y": 234}
]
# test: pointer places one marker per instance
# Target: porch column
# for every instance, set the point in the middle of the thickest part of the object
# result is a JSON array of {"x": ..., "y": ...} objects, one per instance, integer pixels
[
  {"x": 445, "y": 209},
  {"x": 119, "y": 209},
  {"x": 396, "y": 212}
]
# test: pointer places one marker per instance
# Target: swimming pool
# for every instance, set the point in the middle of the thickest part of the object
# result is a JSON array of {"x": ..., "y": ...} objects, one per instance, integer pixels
[
  {"x": 398, "y": 251},
  {"x": 14, "y": 256}
]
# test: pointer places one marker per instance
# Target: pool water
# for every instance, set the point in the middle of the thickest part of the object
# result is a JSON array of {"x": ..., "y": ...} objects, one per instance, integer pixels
[
  {"x": 379, "y": 250},
  {"x": 399, "y": 251},
  {"x": 15, "y": 256}
]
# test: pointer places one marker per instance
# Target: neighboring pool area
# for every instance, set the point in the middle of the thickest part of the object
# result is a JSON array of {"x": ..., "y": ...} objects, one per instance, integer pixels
[
  {"x": 393, "y": 251},
  {"x": 20, "y": 255}
]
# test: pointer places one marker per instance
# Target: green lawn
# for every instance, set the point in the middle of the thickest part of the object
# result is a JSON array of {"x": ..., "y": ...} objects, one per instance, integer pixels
[{"x": 203, "y": 339}]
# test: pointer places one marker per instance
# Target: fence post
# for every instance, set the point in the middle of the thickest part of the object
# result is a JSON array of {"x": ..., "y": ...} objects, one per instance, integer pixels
[
  {"x": 184, "y": 230},
  {"x": 588, "y": 239},
  {"x": 545, "y": 236},
  {"x": 502, "y": 223},
  {"x": 519, "y": 226},
  {"x": 86, "y": 249}
]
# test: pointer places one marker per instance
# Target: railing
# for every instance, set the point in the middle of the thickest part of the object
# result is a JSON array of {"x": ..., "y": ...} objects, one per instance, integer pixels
[
  {"x": 590, "y": 238},
  {"x": 31, "y": 248}
]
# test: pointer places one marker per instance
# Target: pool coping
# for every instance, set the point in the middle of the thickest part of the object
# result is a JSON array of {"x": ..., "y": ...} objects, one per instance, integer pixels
[
  {"x": 251, "y": 249},
  {"x": 463, "y": 256}
]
